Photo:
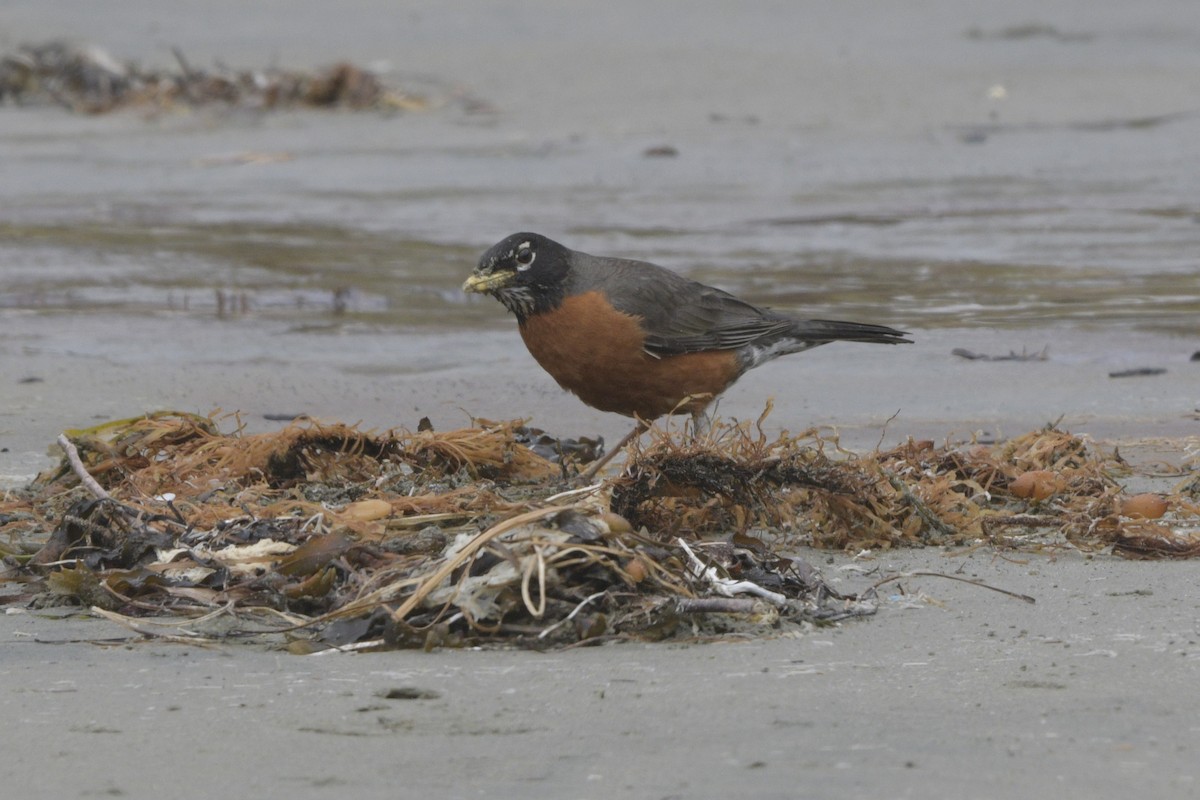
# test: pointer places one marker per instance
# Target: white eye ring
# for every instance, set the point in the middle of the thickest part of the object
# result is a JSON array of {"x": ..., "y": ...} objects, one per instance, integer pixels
[{"x": 523, "y": 251}]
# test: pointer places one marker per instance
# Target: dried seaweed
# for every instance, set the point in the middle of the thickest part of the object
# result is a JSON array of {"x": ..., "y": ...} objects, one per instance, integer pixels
[
  {"x": 87, "y": 79},
  {"x": 340, "y": 538}
]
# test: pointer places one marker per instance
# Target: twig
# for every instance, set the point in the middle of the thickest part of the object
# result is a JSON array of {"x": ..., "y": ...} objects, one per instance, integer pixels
[
  {"x": 727, "y": 586},
  {"x": 183, "y": 63},
  {"x": 189, "y": 76},
  {"x": 883, "y": 430},
  {"x": 80, "y": 471},
  {"x": 571, "y": 616},
  {"x": 980, "y": 584},
  {"x": 350, "y": 647},
  {"x": 228, "y": 608},
  {"x": 571, "y": 493},
  {"x": 149, "y": 632}
]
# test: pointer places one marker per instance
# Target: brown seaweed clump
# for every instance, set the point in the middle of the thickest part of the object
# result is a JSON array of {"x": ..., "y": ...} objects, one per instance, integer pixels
[
  {"x": 396, "y": 539},
  {"x": 333, "y": 537},
  {"x": 87, "y": 79},
  {"x": 809, "y": 490}
]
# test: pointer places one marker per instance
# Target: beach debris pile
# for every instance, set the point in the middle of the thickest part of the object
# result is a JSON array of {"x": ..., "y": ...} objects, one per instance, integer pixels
[
  {"x": 1045, "y": 489},
  {"x": 328, "y": 537},
  {"x": 88, "y": 79}
]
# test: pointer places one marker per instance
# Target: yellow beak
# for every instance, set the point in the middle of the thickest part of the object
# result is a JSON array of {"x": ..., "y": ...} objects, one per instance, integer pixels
[{"x": 484, "y": 283}]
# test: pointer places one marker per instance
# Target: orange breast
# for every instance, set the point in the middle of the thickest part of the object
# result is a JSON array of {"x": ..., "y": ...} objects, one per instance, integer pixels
[{"x": 595, "y": 351}]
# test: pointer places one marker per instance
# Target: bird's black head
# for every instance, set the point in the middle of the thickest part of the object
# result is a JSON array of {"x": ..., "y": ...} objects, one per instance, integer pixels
[{"x": 526, "y": 272}]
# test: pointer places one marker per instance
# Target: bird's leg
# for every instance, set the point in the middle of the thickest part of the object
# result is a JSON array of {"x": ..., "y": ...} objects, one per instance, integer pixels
[
  {"x": 701, "y": 423},
  {"x": 599, "y": 463}
]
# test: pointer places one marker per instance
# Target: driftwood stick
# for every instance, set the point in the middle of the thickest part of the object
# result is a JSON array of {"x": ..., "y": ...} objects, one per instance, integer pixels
[
  {"x": 717, "y": 605},
  {"x": 80, "y": 471}
]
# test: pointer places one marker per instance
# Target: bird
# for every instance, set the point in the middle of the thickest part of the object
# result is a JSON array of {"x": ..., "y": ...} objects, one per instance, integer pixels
[{"x": 637, "y": 339}]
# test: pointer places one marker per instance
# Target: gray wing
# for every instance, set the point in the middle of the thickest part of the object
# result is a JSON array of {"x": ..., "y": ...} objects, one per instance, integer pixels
[{"x": 680, "y": 315}]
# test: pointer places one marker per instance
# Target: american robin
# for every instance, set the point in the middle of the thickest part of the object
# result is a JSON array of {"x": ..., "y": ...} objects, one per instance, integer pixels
[{"x": 635, "y": 338}]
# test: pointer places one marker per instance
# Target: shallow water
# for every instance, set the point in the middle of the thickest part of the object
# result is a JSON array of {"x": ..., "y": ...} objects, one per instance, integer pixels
[{"x": 997, "y": 264}]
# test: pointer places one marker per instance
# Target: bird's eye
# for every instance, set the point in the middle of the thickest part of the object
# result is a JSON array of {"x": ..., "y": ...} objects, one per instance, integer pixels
[{"x": 525, "y": 258}]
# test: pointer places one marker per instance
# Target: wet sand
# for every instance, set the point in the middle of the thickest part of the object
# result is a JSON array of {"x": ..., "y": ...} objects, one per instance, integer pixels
[{"x": 987, "y": 183}]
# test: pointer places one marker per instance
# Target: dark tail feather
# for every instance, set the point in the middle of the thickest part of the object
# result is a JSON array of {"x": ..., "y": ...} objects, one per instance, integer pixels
[{"x": 820, "y": 331}]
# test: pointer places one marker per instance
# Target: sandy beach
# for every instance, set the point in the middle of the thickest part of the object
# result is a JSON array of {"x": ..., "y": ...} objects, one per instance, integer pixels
[{"x": 1015, "y": 178}]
